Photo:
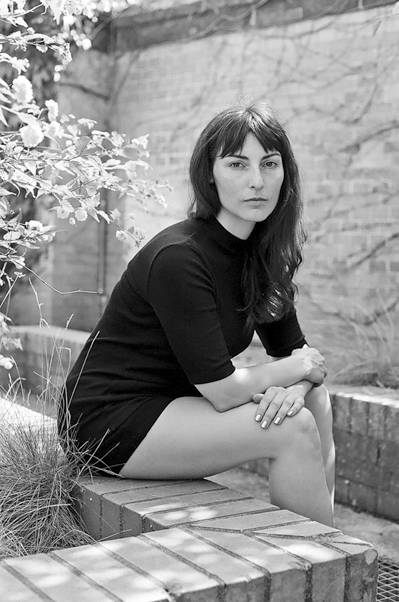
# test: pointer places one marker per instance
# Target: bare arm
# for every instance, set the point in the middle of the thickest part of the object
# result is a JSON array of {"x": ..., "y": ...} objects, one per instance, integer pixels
[{"x": 239, "y": 387}]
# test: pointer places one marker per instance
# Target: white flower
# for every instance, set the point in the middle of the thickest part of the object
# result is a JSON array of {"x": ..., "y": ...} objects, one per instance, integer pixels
[
  {"x": 52, "y": 107},
  {"x": 121, "y": 235},
  {"x": 139, "y": 235},
  {"x": 22, "y": 89},
  {"x": 81, "y": 214},
  {"x": 31, "y": 134},
  {"x": 53, "y": 129},
  {"x": 115, "y": 214},
  {"x": 72, "y": 221},
  {"x": 35, "y": 225},
  {"x": 4, "y": 7},
  {"x": 62, "y": 212},
  {"x": 6, "y": 362},
  {"x": 86, "y": 44}
]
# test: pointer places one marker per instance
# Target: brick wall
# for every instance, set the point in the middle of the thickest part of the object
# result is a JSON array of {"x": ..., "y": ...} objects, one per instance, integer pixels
[
  {"x": 334, "y": 80},
  {"x": 366, "y": 436}
]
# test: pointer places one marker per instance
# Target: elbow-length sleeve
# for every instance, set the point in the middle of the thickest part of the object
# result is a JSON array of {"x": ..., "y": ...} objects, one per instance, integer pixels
[
  {"x": 182, "y": 293},
  {"x": 281, "y": 337}
]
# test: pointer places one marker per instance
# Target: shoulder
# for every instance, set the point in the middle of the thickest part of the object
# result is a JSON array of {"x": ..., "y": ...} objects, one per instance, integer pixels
[
  {"x": 174, "y": 254},
  {"x": 186, "y": 233},
  {"x": 175, "y": 243}
]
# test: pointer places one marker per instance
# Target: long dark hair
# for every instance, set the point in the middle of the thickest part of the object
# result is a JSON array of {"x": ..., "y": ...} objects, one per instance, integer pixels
[{"x": 275, "y": 253}]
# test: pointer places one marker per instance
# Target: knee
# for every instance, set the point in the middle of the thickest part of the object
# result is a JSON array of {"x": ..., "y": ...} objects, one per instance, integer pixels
[
  {"x": 304, "y": 429},
  {"x": 319, "y": 398},
  {"x": 322, "y": 394},
  {"x": 304, "y": 422}
]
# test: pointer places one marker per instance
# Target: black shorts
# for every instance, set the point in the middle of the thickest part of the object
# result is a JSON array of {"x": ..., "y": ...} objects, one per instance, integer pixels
[{"x": 107, "y": 436}]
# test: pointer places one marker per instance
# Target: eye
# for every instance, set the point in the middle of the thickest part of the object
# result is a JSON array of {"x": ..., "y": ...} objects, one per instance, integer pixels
[
  {"x": 236, "y": 164},
  {"x": 269, "y": 164}
]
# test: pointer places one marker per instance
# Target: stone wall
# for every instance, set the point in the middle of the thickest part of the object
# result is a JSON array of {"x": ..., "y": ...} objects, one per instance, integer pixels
[{"x": 332, "y": 73}]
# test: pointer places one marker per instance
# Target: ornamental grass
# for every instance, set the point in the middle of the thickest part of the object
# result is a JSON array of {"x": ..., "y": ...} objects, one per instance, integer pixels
[
  {"x": 37, "y": 482},
  {"x": 368, "y": 354},
  {"x": 38, "y": 471}
]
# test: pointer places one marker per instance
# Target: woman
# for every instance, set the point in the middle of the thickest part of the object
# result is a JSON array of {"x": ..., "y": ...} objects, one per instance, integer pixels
[{"x": 154, "y": 392}]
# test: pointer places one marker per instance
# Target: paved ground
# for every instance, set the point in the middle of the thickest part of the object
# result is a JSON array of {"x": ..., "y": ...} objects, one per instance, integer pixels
[{"x": 383, "y": 534}]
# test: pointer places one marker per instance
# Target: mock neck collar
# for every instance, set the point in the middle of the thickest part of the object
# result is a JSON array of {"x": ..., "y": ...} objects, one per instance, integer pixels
[{"x": 226, "y": 239}]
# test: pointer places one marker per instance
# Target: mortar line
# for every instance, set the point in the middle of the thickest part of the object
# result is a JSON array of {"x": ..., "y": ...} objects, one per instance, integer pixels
[
  {"x": 70, "y": 567},
  {"x": 15, "y": 573},
  {"x": 184, "y": 560}
]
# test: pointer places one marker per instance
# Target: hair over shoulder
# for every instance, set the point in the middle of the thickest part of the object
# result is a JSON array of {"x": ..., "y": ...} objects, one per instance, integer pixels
[{"x": 274, "y": 254}]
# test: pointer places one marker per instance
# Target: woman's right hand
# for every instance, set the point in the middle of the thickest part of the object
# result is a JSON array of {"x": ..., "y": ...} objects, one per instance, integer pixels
[{"x": 314, "y": 364}]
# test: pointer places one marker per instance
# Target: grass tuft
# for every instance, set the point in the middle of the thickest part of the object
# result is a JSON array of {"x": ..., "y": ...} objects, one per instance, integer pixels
[
  {"x": 368, "y": 353},
  {"x": 37, "y": 482},
  {"x": 38, "y": 471}
]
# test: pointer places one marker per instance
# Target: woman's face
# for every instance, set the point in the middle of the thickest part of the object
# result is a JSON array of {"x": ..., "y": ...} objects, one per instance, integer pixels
[{"x": 248, "y": 185}]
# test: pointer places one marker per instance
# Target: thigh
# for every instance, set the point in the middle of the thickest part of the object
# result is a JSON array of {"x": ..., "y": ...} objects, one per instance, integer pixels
[{"x": 191, "y": 439}]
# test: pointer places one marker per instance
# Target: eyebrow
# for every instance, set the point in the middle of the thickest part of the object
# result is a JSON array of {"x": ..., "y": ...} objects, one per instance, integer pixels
[{"x": 273, "y": 154}]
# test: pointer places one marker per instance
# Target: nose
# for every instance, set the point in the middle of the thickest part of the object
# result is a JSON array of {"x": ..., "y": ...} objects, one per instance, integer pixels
[{"x": 255, "y": 179}]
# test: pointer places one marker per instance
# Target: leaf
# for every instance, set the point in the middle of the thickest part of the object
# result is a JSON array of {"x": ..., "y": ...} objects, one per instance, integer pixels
[
  {"x": 39, "y": 37},
  {"x": 29, "y": 119},
  {"x": 31, "y": 166},
  {"x": 82, "y": 144},
  {"x": 2, "y": 118},
  {"x": 21, "y": 22},
  {"x": 29, "y": 245},
  {"x": 104, "y": 216},
  {"x": 92, "y": 212},
  {"x": 42, "y": 191}
]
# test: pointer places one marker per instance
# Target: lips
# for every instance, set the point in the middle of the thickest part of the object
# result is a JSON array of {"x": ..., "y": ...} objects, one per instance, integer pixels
[{"x": 256, "y": 199}]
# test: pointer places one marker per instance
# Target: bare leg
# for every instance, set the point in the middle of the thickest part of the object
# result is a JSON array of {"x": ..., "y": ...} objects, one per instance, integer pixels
[
  {"x": 318, "y": 402},
  {"x": 191, "y": 439}
]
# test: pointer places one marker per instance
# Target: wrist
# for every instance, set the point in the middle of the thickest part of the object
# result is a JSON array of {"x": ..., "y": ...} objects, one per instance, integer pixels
[
  {"x": 303, "y": 387},
  {"x": 299, "y": 369}
]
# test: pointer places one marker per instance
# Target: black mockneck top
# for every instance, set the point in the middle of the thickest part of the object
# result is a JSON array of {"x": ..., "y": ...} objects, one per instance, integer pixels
[{"x": 174, "y": 321}]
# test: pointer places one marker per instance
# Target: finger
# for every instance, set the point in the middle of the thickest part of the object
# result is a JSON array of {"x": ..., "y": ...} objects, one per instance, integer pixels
[
  {"x": 274, "y": 407},
  {"x": 322, "y": 376},
  {"x": 265, "y": 401},
  {"x": 297, "y": 405},
  {"x": 291, "y": 406},
  {"x": 256, "y": 398}
]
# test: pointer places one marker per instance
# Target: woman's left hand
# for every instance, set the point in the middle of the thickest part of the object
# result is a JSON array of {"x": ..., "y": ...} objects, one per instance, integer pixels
[{"x": 277, "y": 403}]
